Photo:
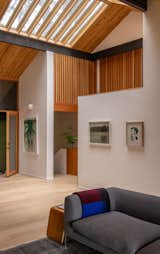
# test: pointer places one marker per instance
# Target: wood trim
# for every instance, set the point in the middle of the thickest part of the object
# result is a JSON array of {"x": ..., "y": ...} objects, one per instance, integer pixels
[
  {"x": 65, "y": 108},
  {"x": 8, "y": 79},
  {"x": 126, "y": 47},
  {"x": 42, "y": 45},
  {"x": 7, "y": 141},
  {"x": 8, "y": 113}
]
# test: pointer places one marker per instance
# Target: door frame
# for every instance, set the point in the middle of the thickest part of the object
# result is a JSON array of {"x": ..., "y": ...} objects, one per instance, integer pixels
[{"x": 8, "y": 113}]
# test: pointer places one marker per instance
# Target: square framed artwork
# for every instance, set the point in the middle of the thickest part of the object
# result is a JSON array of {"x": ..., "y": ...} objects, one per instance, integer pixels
[
  {"x": 135, "y": 134},
  {"x": 31, "y": 135},
  {"x": 100, "y": 133}
]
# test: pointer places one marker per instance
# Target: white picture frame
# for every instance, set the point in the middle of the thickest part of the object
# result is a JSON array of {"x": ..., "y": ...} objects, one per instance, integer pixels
[
  {"x": 135, "y": 134},
  {"x": 100, "y": 133}
]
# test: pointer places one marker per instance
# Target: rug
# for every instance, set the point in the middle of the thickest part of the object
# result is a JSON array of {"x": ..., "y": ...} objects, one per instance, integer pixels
[{"x": 46, "y": 246}]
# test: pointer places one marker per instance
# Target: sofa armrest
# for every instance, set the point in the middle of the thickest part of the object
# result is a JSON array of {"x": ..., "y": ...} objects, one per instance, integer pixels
[{"x": 72, "y": 208}]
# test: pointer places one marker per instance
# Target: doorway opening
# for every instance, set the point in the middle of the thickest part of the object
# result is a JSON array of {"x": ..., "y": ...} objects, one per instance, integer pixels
[
  {"x": 65, "y": 143},
  {"x": 8, "y": 142}
]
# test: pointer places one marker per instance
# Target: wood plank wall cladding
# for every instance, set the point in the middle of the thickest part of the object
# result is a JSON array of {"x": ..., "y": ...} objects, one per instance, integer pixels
[
  {"x": 73, "y": 77},
  {"x": 121, "y": 71}
]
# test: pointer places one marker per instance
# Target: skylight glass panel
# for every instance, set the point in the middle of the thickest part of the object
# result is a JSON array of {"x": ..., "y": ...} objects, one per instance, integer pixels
[
  {"x": 33, "y": 15},
  {"x": 88, "y": 19},
  {"x": 12, "y": 6},
  {"x": 77, "y": 19},
  {"x": 44, "y": 17},
  {"x": 55, "y": 18},
  {"x": 73, "y": 10},
  {"x": 22, "y": 13}
]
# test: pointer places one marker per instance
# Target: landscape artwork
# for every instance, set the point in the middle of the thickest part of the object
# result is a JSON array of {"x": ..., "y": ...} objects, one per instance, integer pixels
[{"x": 100, "y": 133}]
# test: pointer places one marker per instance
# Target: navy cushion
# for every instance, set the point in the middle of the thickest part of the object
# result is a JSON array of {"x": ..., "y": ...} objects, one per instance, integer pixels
[{"x": 117, "y": 231}]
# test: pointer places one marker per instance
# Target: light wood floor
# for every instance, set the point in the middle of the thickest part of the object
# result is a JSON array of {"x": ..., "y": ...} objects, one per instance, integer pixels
[{"x": 24, "y": 206}]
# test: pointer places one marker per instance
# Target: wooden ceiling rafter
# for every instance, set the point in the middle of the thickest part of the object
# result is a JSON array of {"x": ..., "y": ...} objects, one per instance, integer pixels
[
  {"x": 49, "y": 18},
  {"x": 60, "y": 19},
  {"x": 83, "y": 18},
  {"x": 16, "y": 11},
  {"x": 3, "y": 7},
  {"x": 39, "y": 16},
  {"x": 26, "y": 16},
  {"x": 69, "y": 22},
  {"x": 88, "y": 25}
]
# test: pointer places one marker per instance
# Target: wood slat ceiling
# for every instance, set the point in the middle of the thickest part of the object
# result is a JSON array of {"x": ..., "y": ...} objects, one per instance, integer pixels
[
  {"x": 62, "y": 22},
  {"x": 14, "y": 60},
  {"x": 97, "y": 32}
]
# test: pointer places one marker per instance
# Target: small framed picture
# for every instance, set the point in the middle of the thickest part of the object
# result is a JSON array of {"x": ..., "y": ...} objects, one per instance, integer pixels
[
  {"x": 135, "y": 134},
  {"x": 100, "y": 133}
]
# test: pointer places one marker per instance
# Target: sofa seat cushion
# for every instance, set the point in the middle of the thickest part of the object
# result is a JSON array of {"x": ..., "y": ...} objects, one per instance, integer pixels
[
  {"x": 152, "y": 248},
  {"x": 117, "y": 231}
]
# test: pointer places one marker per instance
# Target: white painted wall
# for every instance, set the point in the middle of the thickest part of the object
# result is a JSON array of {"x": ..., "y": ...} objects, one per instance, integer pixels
[
  {"x": 119, "y": 166},
  {"x": 36, "y": 87},
  {"x": 131, "y": 28}
]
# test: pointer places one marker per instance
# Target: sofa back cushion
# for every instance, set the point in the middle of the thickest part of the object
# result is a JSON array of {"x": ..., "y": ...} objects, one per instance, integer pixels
[{"x": 139, "y": 205}]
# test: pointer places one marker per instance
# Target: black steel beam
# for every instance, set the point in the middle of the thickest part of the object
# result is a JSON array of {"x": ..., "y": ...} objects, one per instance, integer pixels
[
  {"x": 129, "y": 46},
  {"x": 41, "y": 45},
  {"x": 139, "y": 4},
  {"x": 45, "y": 46}
]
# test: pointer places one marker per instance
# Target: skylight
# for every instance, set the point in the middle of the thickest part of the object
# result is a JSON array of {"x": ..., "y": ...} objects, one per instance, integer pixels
[
  {"x": 85, "y": 22},
  {"x": 58, "y": 21},
  {"x": 21, "y": 14},
  {"x": 76, "y": 19},
  {"x": 66, "y": 19},
  {"x": 55, "y": 18},
  {"x": 44, "y": 17},
  {"x": 34, "y": 15},
  {"x": 12, "y": 6}
]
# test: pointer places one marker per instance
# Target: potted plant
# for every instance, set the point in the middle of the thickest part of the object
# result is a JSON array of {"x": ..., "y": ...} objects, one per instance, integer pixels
[{"x": 71, "y": 144}]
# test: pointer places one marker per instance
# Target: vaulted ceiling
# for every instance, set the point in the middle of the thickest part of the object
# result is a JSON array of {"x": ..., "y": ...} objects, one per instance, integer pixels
[
  {"x": 14, "y": 60},
  {"x": 78, "y": 24}
]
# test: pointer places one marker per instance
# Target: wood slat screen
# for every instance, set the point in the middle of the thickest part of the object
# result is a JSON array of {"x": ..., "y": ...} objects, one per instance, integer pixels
[
  {"x": 73, "y": 77},
  {"x": 121, "y": 71}
]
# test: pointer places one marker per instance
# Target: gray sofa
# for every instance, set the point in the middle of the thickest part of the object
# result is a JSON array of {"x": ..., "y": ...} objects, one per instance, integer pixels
[{"x": 131, "y": 226}]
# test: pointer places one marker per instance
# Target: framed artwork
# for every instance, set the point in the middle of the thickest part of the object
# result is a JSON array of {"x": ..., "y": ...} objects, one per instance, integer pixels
[
  {"x": 100, "y": 133},
  {"x": 135, "y": 134},
  {"x": 31, "y": 135}
]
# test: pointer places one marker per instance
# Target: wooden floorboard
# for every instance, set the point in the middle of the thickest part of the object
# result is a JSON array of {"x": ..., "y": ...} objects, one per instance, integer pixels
[{"x": 24, "y": 206}]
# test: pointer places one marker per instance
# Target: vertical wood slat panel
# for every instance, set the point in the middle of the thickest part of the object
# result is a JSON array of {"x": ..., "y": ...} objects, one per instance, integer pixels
[
  {"x": 73, "y": 77},
  {"x": 123, "y": 71}
]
